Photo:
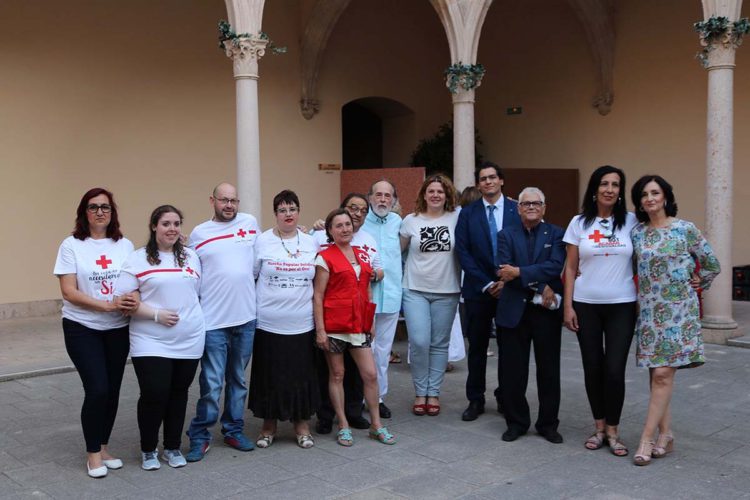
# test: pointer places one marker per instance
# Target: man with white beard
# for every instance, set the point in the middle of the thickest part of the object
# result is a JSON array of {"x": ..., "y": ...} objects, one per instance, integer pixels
[{"x": 384, "y": 226}]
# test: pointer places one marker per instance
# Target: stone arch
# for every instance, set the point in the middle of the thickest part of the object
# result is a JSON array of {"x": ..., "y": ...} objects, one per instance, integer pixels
[
  {"x": 377, "y": 132},
  {"x": 323, "y": 18}
]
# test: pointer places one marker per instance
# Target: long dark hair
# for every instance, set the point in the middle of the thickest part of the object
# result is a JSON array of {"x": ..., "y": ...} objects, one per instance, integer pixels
[
  {"x": 670, "y": 208},
  {"x": 589, "y": 209},
  {"x": 152, "y": 249},
  {"x": 82, "y": 230}
]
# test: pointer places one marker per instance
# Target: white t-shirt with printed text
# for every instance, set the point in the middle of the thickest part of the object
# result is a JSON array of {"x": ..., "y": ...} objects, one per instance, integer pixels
[
  {"x": 96, "y": 264},
  {"x": 285, "y": 282},
  {"x": 165, "y": 286},
  {"x": 604, "y": 263},
  {"x": 227, "y": 254}
]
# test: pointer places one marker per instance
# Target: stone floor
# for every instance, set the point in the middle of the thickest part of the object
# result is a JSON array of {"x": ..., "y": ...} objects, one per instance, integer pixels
[{"x": 41, "y": 446}]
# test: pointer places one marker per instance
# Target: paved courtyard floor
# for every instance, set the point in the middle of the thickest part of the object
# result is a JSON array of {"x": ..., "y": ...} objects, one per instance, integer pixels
[{"x": 42, "y": 452}]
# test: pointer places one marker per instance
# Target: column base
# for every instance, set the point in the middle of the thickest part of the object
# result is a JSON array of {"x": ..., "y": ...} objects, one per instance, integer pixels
[{"x": 718, "y": 330}]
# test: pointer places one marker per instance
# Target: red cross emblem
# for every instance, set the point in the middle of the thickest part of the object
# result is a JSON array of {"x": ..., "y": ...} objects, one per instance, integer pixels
[
  {"x": 596, "y": 236},
  {"x": 189, "y": 270},
  {"x": 241, "y": 233},
  {"x": 104, "y": 261},
  {"x": 366, "y": 248}
]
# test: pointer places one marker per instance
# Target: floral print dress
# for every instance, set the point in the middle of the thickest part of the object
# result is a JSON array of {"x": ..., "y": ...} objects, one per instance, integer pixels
[{"x": 668, "y": 328}]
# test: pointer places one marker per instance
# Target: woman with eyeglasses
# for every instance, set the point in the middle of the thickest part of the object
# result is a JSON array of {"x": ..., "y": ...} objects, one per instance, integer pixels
[
  {"x": 674, "y": 261},
  {"x": 600, "y": 299},
  {"x": 95, "y": 328},
  {"x": 167, "y": 333},
  {"x": 283, "y": 380},
  {"x": 431, "y": 286}
]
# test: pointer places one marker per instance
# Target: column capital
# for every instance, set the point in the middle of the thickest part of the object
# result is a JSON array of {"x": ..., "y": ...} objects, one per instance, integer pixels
[
  {"x": 463, "y": 78},
  {"x": 245, "y": 52},
  {"x": 720, "y": 39}
]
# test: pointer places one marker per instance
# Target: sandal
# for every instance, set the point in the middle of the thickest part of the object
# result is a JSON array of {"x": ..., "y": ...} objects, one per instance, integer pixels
[
  {"x": 617, "y": 447},
  {"x": 395, "y": 358},
  {"x": 344, "y": 437},
  {"x": 664, "y": 445},
  {"x": 264, "y": 440},
  {"x": 382, "y": 435},
  {"x": 433, "y": 410},
  {"x": 643, "y": 455},
  {"x": 305, "y": 441},
  {"x": 595, "y": 441}
]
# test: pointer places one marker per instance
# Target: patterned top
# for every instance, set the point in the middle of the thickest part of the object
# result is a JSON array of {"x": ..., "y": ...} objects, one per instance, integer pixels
[{"x": 668, "y": 327}]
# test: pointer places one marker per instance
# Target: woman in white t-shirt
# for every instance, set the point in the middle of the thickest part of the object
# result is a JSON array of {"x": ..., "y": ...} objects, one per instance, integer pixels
[
  {"x": 431, "y": 286},
  {"x": 283, "y": 379},
  {"x": 600, "y": 299},
  {"x": 167, "y": 333},
  {"x": 96, "y": 330}
]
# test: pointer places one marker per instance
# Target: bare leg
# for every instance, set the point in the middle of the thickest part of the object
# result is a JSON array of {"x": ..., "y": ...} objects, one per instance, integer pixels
[
  {"x": 335, "y": 362},
  {"x": 366, "y": 364},
  {"x": 302, "y": 427},
  {"x": 662, "y": 382},
  {"x": 269, "y": 427},
  {"x": 95, "y": 459}
]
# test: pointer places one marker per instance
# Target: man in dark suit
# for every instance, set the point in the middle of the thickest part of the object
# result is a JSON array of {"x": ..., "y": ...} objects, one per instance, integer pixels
[
  {"x": 531, "y": 259},
  {"x": 476, "y": 244}
]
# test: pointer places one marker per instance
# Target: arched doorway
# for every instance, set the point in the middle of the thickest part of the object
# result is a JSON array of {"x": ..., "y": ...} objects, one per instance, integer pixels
[{"x": 376, "y": 132}]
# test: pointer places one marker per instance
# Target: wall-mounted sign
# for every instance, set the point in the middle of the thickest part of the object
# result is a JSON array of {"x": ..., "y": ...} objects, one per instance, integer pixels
[
  {"x": 329, "y": 166},
  {"x": 514, "y": 110}
]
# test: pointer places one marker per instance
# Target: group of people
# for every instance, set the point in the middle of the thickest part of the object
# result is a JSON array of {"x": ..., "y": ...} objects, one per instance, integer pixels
[{"x": 318, "y": 312}]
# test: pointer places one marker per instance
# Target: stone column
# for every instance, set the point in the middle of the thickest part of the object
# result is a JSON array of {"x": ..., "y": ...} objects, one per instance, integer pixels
[
  {"x": 245, "y": 53},
  {"x": 719, "y": 61},
  {"x": 463, "y": 139}
]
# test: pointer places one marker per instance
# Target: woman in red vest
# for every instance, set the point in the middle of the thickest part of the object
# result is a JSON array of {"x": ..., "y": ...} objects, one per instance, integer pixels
[{"x": 343, "y": 320}]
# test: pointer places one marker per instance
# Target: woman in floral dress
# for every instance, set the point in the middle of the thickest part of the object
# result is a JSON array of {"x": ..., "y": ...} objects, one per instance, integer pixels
[{"x": 668, "y": 328}]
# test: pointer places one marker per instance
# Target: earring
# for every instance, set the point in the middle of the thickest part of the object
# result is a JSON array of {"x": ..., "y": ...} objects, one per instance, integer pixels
[
  {"x": 640, "y": 209},
  {"x": 665, "y": 204},
  {"x": 594, "y": 198},
  {"x": 619, "y": 199}
]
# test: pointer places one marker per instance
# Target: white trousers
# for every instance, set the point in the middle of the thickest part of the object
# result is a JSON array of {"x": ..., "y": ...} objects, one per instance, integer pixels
[{"x": 385, "y": 330}]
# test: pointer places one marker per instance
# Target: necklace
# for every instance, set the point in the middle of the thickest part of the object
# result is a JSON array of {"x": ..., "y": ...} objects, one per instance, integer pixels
[{"x": 296, "y": 253}]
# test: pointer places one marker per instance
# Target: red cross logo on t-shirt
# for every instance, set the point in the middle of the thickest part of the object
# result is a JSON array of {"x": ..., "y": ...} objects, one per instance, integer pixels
[
  {"x": 241, "y": 233},
  {"x": 189, "y": 270},
  {"x": 596, "y": 236},
  {"x": 104, "y": 261},
  {"x": 366, "y": 248}
]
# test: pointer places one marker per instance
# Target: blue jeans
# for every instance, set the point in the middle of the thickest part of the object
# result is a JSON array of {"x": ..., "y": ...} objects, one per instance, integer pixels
[
  {"x": 225, "y": 358},
  {"x": 429, "y": 317}
]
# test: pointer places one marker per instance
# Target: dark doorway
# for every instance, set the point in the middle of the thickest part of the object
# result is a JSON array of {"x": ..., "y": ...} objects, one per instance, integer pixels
[{"x": 362, "y": 135}]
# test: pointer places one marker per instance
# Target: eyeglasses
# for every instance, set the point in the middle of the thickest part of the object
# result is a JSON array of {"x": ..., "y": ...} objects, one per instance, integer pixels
[
  {"x": 287, "y": 211},
  {"x": 227, "y": 201},
  {"x": 105, "y": 208},
  {"x": 608, "y": 230},
  {"x": 357, "y": 210},
  {"x": 530, "y": 204}
]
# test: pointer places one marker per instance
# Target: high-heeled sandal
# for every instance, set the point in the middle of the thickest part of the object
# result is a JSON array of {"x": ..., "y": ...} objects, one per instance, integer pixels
[
  {"x": 643, "y": 455},
  {"x": 616, "y": 446},
  {"x": 595, "y": 441},
  {"x": 664, "y": 445}
]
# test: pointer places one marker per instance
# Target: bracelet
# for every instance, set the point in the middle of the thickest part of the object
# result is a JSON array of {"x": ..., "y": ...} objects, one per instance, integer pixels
[{"x": 156, "y": 316}]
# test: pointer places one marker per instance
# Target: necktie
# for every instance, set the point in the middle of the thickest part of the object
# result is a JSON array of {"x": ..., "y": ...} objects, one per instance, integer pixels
[{"x": 493, "y": 231}]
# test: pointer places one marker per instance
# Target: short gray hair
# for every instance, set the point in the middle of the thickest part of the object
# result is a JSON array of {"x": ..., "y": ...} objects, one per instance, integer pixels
[{"x": 531, "y": 190}]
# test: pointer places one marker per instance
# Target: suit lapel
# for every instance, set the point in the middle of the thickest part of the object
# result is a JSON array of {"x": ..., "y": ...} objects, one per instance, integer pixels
[
  {"x": 482, "y": 212},
  {"x": 542, "y": 237}
]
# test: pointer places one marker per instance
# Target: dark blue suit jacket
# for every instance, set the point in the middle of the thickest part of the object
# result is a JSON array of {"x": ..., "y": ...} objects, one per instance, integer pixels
[
  {"x": 474, "y": 247},
  {"x": 544, "y": 269}
]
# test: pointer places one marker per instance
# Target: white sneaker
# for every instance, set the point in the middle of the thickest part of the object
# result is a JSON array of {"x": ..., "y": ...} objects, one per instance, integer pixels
[
  {"x": 150, "y": 460},
  {"x": 174, "y": 458}
]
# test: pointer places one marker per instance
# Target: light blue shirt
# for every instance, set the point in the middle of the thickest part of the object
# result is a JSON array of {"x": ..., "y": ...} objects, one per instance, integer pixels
[{"x": 387, "y": 293}]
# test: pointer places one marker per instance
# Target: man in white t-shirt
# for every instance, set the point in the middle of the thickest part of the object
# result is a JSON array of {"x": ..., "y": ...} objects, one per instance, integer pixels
[{"x": 225, "y": 245}]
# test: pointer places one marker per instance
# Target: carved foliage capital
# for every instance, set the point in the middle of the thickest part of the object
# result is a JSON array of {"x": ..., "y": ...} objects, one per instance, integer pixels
[
  {"x": 245, "y": 53},
  {"x": 309, "y": 107}
]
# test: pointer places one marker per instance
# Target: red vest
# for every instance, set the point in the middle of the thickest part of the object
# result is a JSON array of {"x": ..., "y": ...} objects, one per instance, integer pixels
[{"x": 346, "y": 304}]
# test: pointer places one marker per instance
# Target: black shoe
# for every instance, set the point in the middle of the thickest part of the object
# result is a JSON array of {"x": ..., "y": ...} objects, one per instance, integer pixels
[
  {"x": 512, "y": 433},
  {"x": 474, "y": 409},
  {"x": 323, "y": 426},
  {"x": 358, "y": 422},
  {"x": 551, "y": 435},
  {"x": 385, "y": 412}
]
